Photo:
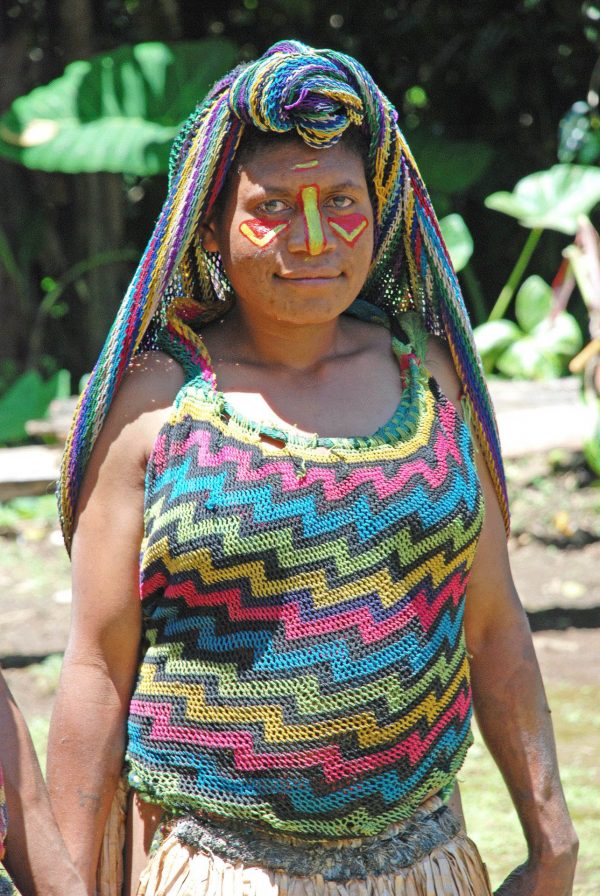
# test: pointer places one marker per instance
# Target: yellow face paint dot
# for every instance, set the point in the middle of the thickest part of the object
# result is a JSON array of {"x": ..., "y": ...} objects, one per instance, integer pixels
[
  {"x": 308, "y": 199},
  {"x": 303, "y": 165}
]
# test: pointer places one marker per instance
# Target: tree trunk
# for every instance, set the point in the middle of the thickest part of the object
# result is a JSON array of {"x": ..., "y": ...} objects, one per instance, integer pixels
[{"x": 98, "y": 206}]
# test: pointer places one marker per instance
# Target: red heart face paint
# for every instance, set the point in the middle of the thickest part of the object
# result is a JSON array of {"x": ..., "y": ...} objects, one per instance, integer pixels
[
  {"x": 261, "y": 233},
  {"x": 349, "y": 227},
  {"x": 308, "y": 201}
]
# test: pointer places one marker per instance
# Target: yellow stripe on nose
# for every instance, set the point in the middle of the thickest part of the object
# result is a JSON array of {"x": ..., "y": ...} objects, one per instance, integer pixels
[{"x": 313, "y": 224}]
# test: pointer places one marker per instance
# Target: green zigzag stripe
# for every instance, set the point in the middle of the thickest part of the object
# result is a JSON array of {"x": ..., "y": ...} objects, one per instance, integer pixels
[
  {"x": 289, "y": 556},
  {"x": 307, "y": 688}
]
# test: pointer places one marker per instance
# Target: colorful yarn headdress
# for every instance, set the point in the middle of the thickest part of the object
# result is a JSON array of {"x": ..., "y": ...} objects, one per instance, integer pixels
[{"x": 317, "y": 94}]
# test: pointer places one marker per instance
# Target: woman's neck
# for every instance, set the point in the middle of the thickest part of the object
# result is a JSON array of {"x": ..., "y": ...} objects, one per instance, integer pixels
[{"x": 278, "y": 344}]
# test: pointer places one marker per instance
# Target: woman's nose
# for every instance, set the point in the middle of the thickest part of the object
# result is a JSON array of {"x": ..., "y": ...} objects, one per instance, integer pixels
[{"x": 307, "y": 233}]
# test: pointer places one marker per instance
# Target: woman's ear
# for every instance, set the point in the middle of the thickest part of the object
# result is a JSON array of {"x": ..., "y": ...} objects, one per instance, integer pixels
[{"x": 208, "y": 235}]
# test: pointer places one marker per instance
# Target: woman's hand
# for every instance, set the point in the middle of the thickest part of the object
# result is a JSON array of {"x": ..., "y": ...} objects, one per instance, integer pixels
[{"x": 552, "y": 877}]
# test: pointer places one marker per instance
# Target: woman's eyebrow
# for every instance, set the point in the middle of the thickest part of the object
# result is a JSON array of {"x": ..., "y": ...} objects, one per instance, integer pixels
[
  {"x": 346, "y": 185},
  {"x": 286, "y": 188}
]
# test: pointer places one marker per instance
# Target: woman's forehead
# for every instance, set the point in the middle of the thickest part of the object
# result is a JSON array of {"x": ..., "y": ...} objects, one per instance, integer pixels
[{"x": 293, "y": 160}]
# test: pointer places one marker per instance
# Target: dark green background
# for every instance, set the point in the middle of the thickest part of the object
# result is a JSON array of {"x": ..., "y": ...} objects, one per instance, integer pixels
[{"x": 494, "y": 72}]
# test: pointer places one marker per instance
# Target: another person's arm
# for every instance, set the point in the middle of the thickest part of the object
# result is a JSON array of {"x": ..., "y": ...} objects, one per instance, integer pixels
[
  {"x": 87, "y": 736},
  {"x": 509, "y": 699},
  {"x": 35, "y": 854}
]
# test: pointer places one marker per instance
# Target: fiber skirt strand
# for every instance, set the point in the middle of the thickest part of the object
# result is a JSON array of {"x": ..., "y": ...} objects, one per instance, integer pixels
[{"x": 109, "y": 879}]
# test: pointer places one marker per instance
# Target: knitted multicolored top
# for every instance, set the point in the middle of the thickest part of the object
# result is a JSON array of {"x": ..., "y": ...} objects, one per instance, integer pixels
[
  {"x": 304, "y": 665},
  {"x": 3, "y": 815}
]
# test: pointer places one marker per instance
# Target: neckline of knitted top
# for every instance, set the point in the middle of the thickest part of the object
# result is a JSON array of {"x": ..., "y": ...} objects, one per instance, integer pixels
[{"x": 401, "y": 425}]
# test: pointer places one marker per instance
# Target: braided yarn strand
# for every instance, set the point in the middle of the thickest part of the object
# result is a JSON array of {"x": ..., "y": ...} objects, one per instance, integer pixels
[
  {"x": 194, "y": 187},
  {"x": 316, "y": 94}
]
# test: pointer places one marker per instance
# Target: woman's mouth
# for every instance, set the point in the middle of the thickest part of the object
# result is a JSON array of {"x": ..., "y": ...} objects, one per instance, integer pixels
[{"x": 310, "y": 277}]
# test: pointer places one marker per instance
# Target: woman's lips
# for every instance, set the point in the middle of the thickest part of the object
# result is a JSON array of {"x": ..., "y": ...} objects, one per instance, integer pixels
[{"x": 309, "y": 276}]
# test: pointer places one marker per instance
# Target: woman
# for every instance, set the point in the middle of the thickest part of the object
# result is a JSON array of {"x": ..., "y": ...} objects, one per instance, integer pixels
[
  {"x": 295, "y": 497},
  {"x": 30, "y": 846}
]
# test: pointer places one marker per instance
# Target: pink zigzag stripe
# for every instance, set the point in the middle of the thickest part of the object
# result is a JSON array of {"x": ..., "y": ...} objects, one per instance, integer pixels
[
  {"x": 159, "y": 455},
  {"x": 289, "y": 614},
  {"x": 447, "y": 414},
  {"x": 284, "y": 468},
  {"x": 335, "y": 767}
]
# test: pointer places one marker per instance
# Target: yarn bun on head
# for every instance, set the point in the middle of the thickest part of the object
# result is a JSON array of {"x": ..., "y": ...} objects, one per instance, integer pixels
[{"x": 316, "y": 94}]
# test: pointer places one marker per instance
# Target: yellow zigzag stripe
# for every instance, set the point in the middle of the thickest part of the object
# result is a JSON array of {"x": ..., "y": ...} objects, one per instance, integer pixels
[
  {"x": 201, "y": 407},
  {"x": 322, "y": 592},
  {"x": 277, "y": 730},
  {"x": 290, "y": 555},
  {"x": 308, "y": 698}
]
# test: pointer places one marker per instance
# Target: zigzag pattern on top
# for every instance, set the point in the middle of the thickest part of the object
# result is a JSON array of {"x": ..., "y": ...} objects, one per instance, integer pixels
[{"x": 305, "y": 664}]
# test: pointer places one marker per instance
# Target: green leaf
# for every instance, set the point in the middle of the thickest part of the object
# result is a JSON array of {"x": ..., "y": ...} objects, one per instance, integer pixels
[
  {"x": 533, "y": 302},
  {"x": 493, "y": 338},
  {"x": 552, "y": 199},
  {"x": 62, "y": 384},
  {"x": 526, "y": 360},
  {"x": 591, "y": 445},
  {"x": 591, "y": 451},
  {"x": 458, "y": 240},
  {"x": 543, "y": 353},
  {"x": 559, "y": 336},
  {"x": 115, "y": 112},
  {"x": 28, "y": 399},
  {"x": 449, "y": 166}
]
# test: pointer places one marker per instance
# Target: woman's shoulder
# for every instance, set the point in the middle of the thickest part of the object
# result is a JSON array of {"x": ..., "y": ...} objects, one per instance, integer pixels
[
  {"x": 141, "y": 405},
  {"x": 151, "y": 378},
  {"x": 116, "y": 470}
]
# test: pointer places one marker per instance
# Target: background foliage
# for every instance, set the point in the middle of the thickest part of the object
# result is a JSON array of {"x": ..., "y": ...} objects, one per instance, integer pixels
[{"x": 481, "y": 89}]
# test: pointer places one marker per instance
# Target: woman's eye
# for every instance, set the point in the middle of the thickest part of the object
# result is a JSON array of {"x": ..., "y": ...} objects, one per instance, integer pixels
[
  {"x": 273, "y": 206},
  {"x": 340, "y": 201}
]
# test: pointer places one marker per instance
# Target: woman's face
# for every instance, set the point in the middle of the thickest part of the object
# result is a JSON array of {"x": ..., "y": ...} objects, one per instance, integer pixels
[{"x": 296, "y": 232}]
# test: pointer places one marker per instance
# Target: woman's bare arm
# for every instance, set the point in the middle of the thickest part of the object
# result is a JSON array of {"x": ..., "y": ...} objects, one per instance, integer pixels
[
  {"x": 87, "y": 735},
  {"x": 513, "y": 713},
  {"x": 509, "y": 699}
]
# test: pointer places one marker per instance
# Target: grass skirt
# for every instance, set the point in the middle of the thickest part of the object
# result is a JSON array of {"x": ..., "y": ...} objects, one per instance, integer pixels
[
  {"x": 454, "y": 869},
  {"x": 426, "y": 856}
]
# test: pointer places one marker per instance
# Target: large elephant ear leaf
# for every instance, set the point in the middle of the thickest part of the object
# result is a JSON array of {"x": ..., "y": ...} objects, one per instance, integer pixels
[
  {"x": 553, "y": 199},
  {"x": 116, "y": 112},
  {"x": 458, "y": 239}
]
